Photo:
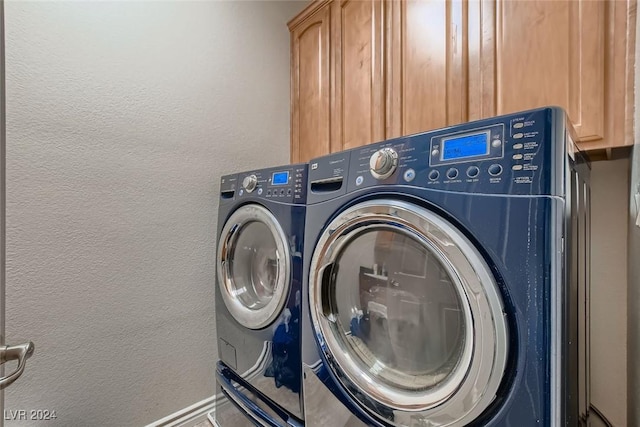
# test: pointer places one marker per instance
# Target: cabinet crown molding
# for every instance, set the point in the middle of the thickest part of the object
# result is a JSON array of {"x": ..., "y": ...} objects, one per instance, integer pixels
[{"x": 306, "y": 13}]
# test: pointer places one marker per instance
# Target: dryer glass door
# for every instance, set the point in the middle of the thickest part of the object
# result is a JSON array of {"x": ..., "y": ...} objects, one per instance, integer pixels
[
  {"x": 253, "y": 266},
  {"x": 408, "y": 314}
]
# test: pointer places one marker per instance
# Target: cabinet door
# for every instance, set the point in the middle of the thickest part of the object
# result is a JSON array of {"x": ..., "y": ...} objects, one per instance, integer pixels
[
  {"x": 528, "y": 54},
  {"x": 357, "y": 41},
  {"x": 310, "y": 86},
  {"x": 426, "y": 74}
]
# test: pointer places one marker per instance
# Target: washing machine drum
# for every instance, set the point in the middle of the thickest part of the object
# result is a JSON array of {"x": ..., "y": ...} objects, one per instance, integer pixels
[
  {"x": 408, "y": 315},
  {"x": 253, "y": 266}
]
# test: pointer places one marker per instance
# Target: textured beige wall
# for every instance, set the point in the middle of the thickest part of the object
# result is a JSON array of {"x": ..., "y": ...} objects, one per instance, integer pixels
[
  {"x": 633, "y": 305},
  {"x": 121, "y": 117},
  {"x": 610, "y": 202},
  {"x": 633, "y": 361}
]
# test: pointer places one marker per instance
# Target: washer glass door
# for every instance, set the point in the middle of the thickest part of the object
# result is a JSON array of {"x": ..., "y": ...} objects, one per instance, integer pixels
[
  {"x": 253, "y": 266},
  {"x": 408, "y": 314}
]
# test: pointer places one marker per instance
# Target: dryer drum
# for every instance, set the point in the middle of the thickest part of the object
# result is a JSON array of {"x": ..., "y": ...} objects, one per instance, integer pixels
[{"x": 408, "y": 314}]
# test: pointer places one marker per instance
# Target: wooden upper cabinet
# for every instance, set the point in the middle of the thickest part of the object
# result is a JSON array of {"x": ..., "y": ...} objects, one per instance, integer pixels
[
  {"x": 359, "y": 107},
  {"x": 425, "y": 71},
  {"x": 338, "y": 93},
  {"x": 574, "y": 54},
  {"x": 366, "y": 70},
  {"x": 310, "y": 85}
]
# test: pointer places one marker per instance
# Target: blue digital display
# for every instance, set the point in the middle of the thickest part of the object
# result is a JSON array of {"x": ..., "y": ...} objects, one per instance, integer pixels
[
  {"x": 280, "y": 178},
  {"x": 465, "y": 146}
]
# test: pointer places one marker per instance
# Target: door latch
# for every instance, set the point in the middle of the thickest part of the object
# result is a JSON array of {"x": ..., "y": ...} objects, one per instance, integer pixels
[{"x": 15, "y": 352}]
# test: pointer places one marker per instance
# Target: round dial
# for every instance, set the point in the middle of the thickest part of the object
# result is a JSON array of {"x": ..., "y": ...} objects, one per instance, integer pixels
[
  {"x": 249, "y": 183},
  {"x": 383, "y": 163}
]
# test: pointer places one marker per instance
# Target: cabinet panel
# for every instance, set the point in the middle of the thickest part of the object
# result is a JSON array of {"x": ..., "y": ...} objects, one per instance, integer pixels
[
  {"x": 359, "y": 106},
  {"x": 552, "y": 53},
  {"x": 427, "y": 87},
  {"x": 481, "y": 51},
  {"x": 575, "y": 54},
  {"x": 620, "y": 45},
  {"x": 310, "y": 87}
]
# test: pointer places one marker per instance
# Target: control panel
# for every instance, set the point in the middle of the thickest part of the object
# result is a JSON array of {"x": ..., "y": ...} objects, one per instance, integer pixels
[
  {"x": 511, "y": 154},
  {"x": 285, "y": 184},
  {"x": 478, "y": 144}
]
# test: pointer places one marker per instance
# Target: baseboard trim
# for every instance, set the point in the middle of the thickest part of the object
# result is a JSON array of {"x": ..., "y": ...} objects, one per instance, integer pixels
[
  {"x": 200, "y": 410},
  {"x": 212, "y": 419},
  {"x": 189, "y": 415}
]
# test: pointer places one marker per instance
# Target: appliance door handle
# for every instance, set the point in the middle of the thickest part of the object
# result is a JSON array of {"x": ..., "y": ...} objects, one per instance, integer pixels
[
  {"x": 326, "y": 273},
  {"x": 226, "y": 376},
  {"x": 16, "y": 352}
]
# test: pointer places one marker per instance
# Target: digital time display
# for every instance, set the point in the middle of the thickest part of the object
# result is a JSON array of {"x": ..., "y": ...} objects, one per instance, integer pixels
[
  {"x": 280, "y": 178},
  {"x": 469, "y": 145}
]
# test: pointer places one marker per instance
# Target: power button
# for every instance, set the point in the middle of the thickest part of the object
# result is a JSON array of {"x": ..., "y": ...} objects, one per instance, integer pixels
[{"x": 409, "y": 175}]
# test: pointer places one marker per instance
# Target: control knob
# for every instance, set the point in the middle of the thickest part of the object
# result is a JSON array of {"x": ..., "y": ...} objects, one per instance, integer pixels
[
  {"x": 383, "y": 163},
  {"x": 249, "y": 183}
]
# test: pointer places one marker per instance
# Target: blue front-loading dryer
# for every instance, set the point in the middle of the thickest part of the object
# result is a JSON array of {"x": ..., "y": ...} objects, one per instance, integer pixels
[
  {"x": 258, "y": 296},
  {"x": 447, "y": 276}
]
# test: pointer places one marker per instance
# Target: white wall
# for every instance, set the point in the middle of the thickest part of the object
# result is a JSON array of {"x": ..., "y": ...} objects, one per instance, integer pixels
[
  {"x": 633, "y": 384},
  {"x": 121, "y": 116},
  {"x": 615, "y": 292},
  {"x": 633, "y": 387},
  {"x": 609, "y": 210}
]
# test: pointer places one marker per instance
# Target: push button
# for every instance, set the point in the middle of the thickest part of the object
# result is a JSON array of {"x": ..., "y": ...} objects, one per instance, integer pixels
[
  {"x": 518, "y": 125},
  {"x": 516, "y": 167},
  {"x": 517, "y": 135},
  {"x": 452, "y": 173},
  {"x": 409, "y": 175},
  {"x": 495, "y": 170},
  {"x": 433, "y": 175},
  {"x": 473, "y": 171},
  {"x": 517, "y": 156},
  {"x": 517, "y": 146}
]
